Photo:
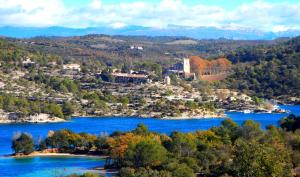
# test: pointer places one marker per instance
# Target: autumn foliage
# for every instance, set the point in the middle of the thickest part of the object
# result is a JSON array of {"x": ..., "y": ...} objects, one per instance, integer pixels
[{"x": 202, "y": 66}]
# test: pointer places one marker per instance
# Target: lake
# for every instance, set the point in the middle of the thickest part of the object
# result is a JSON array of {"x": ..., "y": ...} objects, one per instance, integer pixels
[
  {"x": 46, "y": 166},
  {"x": 49, "y": 166}
]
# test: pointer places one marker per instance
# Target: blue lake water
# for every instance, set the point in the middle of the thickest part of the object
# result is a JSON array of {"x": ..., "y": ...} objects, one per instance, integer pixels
[
  {"x": 46, "y": 166},
  {"x": 50, "y": 166}
]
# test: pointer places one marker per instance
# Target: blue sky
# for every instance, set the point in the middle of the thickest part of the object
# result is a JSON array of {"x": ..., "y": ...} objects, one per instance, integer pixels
[
  {"x": 266, "y": 15},
  {"x": 228, "y": 4}
]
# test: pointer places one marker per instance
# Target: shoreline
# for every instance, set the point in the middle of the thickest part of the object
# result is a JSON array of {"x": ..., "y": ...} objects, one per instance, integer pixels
[
  {"x": 118, "y": 116},
  {"x": 194, "y": 117},
  {"x": 160, "y": 118},
  {"x": 32, "y": 122},
  {"x": 183, "y": 117},
  {"x": 47, "y": 154}
]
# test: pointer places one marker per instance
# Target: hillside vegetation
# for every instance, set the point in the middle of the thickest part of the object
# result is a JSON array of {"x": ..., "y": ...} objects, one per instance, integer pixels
[
  {"x": 264, "y": 69},
  {"x": 267, "y": 71}
]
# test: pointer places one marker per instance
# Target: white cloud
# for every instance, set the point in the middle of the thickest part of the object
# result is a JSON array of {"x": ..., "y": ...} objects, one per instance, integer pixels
[
  {"x": 258, "y": 14},
  {"x": 118, "y": 25},
  {"x": 31, "y": 13},
  {"x": 95, "y": 4}
]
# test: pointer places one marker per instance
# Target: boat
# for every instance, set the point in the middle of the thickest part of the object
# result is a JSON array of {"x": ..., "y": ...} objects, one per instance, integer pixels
[{"x": 247, "y": 111}]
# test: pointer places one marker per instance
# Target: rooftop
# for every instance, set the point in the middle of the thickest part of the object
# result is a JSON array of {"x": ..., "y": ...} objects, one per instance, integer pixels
[{"x": 130, "y": 75}]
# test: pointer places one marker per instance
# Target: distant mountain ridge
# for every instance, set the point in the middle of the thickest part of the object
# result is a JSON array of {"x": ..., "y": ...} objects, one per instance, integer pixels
[{"x": 171, "y": 30}]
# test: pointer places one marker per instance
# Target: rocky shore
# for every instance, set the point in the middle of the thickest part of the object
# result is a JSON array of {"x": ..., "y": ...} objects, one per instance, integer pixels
[
  {"x": 197, "y": 114},
  {"x": 10, "y": 117},
  {"x": 6, "y": 118}
]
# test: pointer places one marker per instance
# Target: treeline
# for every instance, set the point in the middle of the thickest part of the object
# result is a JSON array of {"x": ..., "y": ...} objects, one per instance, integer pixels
[
  {"x": 227, "y": 150},
  {"x": 25, "y": 107},
  {"x": 12, "y": 56},
  {"x": 56, "y": 83},
  {"x": 267, "y": 72}
]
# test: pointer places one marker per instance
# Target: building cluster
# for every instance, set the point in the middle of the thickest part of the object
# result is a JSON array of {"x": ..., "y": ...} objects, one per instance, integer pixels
[
  {"x": 181, "y": 69},
  {"x": 72, "y": 66},
  {"x": 131, "y": 78},
  {"x": 133, "y": 47}
]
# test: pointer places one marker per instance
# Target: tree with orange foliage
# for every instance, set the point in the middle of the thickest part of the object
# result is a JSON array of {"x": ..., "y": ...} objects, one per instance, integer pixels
[
  {"x": 118, "y": 145},
  {"x": 201, "y": 66}
]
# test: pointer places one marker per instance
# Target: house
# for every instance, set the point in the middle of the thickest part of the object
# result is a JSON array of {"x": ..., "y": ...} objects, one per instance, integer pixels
[
  {"x": 140, "y": 48},
  {"x": 27, "y": 62},
  {"x": 74, "y": 67},
  {"x": 136, "y": 47}
]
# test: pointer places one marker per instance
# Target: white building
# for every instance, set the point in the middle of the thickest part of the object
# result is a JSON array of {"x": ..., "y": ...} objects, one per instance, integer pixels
[
  {"x": 133, "y": 47},
  {"x": 186, "y": 65},
  {"x": 167, "y": 80},
  {"x": 73, "y": 66},
  {"x": 27, "y": 61}
]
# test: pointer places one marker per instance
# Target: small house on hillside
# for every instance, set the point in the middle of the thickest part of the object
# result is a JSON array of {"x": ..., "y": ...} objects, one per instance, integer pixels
[
  {"x": 27, "y": 62},
  {"x": 74, "y": 67}
]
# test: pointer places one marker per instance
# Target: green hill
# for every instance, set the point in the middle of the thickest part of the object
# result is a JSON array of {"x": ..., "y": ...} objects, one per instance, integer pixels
[{"x": 267, "y": 71}]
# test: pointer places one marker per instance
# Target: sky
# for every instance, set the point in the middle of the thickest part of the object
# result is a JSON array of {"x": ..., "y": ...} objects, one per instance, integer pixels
[{"x": 265, "y": 15}]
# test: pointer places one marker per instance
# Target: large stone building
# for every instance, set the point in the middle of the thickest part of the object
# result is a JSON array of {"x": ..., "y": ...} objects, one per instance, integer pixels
[
  {"x": 124, "y": 78},
  {"x": 182, "y": 69},
  {"x": 131, "y": 78}
]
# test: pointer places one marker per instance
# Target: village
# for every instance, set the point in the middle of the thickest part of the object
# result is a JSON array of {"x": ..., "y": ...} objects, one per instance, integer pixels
[{"x": 179, "y": 94}]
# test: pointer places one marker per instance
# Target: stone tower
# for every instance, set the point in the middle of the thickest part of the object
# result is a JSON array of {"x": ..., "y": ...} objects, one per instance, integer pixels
[{"x": 186, "y": 65}]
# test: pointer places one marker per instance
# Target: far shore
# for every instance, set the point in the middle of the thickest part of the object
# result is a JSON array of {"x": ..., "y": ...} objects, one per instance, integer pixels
[
  {"x": 194, "y": 117},
  {"x": 183, "y": 117},
  {"x": 144, "y": 116},
  {"x": 31, "y": 122}
]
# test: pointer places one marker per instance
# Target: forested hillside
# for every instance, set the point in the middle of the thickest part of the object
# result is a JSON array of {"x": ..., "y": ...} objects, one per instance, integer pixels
[
  {"x": 267, "y": 69},
  {"x": 113, "y": 49},
  {"x": 269, "y": 72}
]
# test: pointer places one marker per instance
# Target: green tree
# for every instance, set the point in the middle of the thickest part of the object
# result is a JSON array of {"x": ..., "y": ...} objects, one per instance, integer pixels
[
  {"x": 141, "y": 130},
  {"x": 23, "y": 143},
  {"x": 180, "y": 170},
  {"x": 54, "y": 110},
  {"x": 227, "y": 131},
  {"x": 60, "y": 139},
  {"x": 68, "y": 108},
  {"x": 253, "y": 159},
  {"x": 290, "y": 123},
  {"x": 182, "y": 144},
  {"x": 124, "y": 101},
  {"x": 147, "y": 153},
  {"x": 183, "y": 171},
  {"x": 101, "y": 143},
  {"x": 250, "y": 130}
]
